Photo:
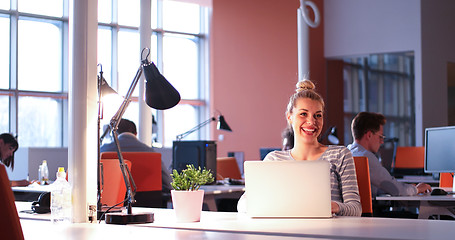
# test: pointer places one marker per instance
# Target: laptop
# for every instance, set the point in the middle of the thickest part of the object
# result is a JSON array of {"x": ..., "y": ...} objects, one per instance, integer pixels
[{"x": 288, "y": 189}]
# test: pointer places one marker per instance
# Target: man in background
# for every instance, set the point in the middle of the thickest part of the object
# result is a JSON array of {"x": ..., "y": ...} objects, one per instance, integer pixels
[
  {"x": 127, "y": 137},
  {"x": 368, "y": 133}
]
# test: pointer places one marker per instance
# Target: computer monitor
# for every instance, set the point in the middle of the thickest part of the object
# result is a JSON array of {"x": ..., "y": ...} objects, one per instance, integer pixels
[
  {"x": 198, "y": 153},
  {"x": 440, "y": 149}
]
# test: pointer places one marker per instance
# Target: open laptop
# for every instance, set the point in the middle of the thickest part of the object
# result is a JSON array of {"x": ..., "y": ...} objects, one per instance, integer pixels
[{"x": 288, "y": 189}]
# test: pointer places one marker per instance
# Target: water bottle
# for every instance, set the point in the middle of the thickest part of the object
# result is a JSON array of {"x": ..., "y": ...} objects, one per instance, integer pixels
[
  {"x": 61, "y": 199},
  {"x": 44, "y": 173}
]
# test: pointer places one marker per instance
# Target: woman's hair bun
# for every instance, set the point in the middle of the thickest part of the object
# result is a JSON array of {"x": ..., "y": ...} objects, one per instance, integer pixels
[{"x": 304, "y": 84}]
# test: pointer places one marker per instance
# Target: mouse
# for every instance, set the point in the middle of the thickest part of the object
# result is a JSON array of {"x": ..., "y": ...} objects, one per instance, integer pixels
[{"x": 438, "y": 191}]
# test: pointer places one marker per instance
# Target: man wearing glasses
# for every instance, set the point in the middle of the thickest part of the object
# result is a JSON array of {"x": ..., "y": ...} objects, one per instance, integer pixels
[{"x": 367, "y": 131}]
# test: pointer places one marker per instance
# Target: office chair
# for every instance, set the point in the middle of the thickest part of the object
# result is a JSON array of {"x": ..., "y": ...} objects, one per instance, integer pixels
[
  {"x": 363, "y": 181},
  {"x": 445, "y": 180},
  {"x": 113, "y": 187},
  {"x": 10, "y": 226},
  {"x": 409, "y": 161},
  {"x": 227, "y": 167},
  {"x": 146, "y": 172}
]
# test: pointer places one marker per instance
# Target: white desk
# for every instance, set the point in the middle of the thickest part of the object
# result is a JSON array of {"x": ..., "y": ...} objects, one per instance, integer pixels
[
  {"x": 428, "y": 205},
  {"x": 39, "y": 230},
  {"x": 223, "y": 225}
]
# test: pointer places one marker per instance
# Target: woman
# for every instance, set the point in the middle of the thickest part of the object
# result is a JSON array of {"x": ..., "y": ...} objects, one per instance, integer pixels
[
  {"x": 8, "y": 146},
  {"x": 305, "y": 113}
]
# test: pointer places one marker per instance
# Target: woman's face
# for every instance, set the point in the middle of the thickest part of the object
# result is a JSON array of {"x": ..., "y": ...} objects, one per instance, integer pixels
[
  {"x": 6, "y": 150},
  {"x": 306, "y": 120}
]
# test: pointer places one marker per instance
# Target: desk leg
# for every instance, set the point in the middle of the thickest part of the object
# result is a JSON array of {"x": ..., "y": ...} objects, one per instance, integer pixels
[
  {"x": 427, "y": 209},
  {"x": 210, "y": 201}
]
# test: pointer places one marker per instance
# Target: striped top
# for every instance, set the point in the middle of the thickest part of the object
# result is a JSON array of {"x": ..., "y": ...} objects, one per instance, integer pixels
[{"x": 345, "y": 191}]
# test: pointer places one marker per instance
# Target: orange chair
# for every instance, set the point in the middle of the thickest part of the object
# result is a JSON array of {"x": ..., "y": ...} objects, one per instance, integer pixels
[
  {"x": 227, "y": 167},
  {"x": 10, "y": 226},
  {"x": 445, "y": 180},
  {"x": 113, "y": 187},
  {"x": 409, "y": 160},
  {"x": 363, "y": 181},
  {"x": 146, "y": 173},
  {"x": 146, "y": 168}
]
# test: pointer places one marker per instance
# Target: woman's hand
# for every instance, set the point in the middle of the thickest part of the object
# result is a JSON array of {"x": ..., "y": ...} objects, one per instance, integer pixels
[
  {"x": 19, "y": 183},
  {"x": 335, "y": 207}
]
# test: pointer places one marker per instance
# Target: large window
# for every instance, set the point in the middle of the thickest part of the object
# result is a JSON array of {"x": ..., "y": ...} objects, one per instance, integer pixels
[
  {"x": 34, "y": 63},
  {"x": 33, "y": 97},
  {"x": 382, "y": 83},
  {"x": 178, "y": 48}
]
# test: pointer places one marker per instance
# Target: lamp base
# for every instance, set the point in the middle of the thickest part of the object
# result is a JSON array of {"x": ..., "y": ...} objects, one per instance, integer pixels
[{"x": 125, "y": 218}]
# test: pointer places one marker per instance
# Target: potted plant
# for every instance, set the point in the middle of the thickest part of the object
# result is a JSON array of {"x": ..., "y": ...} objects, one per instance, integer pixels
[{"x": 186, "y": 196}]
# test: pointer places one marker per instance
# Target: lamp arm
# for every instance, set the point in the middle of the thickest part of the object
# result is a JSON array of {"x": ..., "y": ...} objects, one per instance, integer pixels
[
  {"x": 197, "y": 127},
  {"x": 127, "y": 177},
  {"x": 126, "y": 101},
  {"x": 115, "y": 120}
]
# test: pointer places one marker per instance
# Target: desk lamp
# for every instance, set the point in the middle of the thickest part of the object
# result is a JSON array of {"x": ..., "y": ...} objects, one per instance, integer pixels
[
  {"x": 159, "y": 94},
  {"x": 331, "y": 135},
  {"x": 221, "y": 125},
  {"x": 103, "y": 90}
]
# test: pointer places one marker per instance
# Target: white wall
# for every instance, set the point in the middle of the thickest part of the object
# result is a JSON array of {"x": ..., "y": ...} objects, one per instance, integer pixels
[
  {"x": 357, "y": 27},
  {"x": 438, "y": 41},
  {"x": 353, "y": 27}
]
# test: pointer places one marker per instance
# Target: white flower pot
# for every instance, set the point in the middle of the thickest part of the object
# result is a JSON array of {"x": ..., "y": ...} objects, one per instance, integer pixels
[{"x": 187, "y": 205}]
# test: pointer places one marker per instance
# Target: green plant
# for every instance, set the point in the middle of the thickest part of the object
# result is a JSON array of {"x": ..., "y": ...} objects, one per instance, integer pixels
[{"x": 191, "y": 178}]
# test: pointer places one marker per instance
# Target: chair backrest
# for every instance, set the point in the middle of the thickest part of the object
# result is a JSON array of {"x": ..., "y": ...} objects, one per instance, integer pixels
[
  {"x": 363, "y": 181},
  {"x": 409, "y": 160},
  {"x": 445, "y": 180},
  {"x": 227, "y": 167},
  {"x": 410, "y": 157},
  {"x": 112, "y": 182},
  {"x": 10, "y": 226},
  {"x": 145, "y": 169}
]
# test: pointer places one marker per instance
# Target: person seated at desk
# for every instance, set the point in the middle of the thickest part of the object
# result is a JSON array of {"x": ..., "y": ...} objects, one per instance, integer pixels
[
  {"x": 129, "y": 143},
  {"x": 305, "y": 114},
  {"x": 367, "y": 131},
  {"x": 8, "y": 146}
]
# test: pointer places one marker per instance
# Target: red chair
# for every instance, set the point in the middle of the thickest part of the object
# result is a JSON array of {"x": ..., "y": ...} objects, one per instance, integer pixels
[
  {"x": 363, "y": 181},
  {"x": 113, "y": 187},
  {"x": 409, "y": 160},
  {"x": 445, "y": 180},
  {"x": 227, "y": 167},
  {"x": 10, "y": 226},
  {"x": 146, "y": 173}
]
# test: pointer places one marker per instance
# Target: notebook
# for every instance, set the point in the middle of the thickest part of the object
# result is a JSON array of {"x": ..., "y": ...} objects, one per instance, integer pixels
[{"x": 288, "y": 189}]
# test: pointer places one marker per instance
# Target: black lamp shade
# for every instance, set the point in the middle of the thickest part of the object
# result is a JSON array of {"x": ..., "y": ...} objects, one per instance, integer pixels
[
  {"x": 159, "y": 93},
  {"x": 222, "y": 124}
]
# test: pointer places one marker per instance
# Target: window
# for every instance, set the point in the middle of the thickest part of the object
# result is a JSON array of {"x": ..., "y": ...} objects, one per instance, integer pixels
[
  {"x": 32, "y": 94},
  {"x": 178, "y": 49},
  {"x": 382, "y": 83},
  {"x": 33, "y": 65}
]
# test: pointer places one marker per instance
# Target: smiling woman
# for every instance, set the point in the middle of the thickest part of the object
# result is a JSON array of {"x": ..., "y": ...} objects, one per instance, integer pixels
[{"x": 305, "y": 120}]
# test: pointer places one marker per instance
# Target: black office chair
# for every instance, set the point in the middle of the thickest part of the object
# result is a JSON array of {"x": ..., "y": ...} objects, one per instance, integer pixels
[{"x": 388, "y": 152}]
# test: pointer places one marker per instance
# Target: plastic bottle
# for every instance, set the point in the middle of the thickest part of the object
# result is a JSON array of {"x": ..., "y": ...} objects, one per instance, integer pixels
[
  {"x": 61, "y": 199},
  {"x": 44, "y": 173}
]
